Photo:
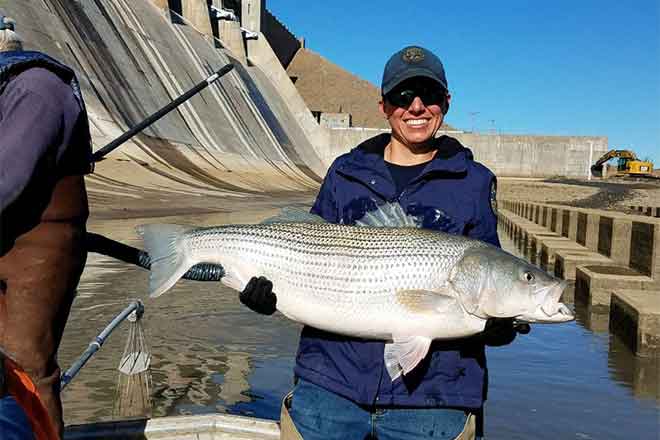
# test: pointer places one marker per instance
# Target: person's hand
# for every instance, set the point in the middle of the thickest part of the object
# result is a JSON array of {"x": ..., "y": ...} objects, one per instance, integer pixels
[
  {"x": 502, "y": 331},
  {"x": 258, "y": 296}
]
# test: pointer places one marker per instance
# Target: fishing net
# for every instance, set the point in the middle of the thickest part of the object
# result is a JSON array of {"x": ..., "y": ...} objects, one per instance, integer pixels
[{"x": 133, "y": 396}]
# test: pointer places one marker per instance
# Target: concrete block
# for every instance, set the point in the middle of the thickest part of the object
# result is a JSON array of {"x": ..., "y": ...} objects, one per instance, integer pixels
[
  {"x": 569, "y": 219},
  {"x": 517, "y": 236},
  {"x": 594, "y": 284},
  {"x": 545, "y": 217},
  {"x": 635, "y": 318},
  {"x": 645, "y": 255},
  {"x": 196, "y": 13},
  {"x": 555, "y": 225},
  {"x": 549, "y": 248},
  {"x": 566, "y": 261},
  {"x": 614, "y": 238},
  {"x": 232, "y": 38},
  {"x": 530, "y": 212},
  {"x": 651, "y": 211},
  {"x": 588, "y": 224},
  {"x": 530, "y": 246},
  {"x": 536, "y": 217}
]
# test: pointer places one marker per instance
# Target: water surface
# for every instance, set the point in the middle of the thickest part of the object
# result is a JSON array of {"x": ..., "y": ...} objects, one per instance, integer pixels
[{"x": 211, "y": 354}]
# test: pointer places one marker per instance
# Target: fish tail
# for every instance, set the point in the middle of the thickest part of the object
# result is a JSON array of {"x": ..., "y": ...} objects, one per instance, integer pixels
[{"x": 168, "y": 253}]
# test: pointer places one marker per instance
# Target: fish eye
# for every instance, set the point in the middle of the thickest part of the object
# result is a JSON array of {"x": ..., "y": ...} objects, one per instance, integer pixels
[{"x": 529, "y": 277}]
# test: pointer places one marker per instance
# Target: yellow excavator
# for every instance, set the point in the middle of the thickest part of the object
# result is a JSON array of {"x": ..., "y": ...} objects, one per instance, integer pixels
[{"x": 627, "y": 165}]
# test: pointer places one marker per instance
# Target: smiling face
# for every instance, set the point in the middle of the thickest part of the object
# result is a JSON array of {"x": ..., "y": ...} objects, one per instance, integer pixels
[{"x": 414, "y": 110}]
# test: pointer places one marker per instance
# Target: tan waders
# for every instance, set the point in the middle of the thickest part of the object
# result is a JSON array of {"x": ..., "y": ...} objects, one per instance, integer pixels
[{"x": 38, "y": 278}]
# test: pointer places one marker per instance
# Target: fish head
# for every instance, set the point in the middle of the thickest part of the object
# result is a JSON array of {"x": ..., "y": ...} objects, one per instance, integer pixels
[{"x": 495, "y": 284}]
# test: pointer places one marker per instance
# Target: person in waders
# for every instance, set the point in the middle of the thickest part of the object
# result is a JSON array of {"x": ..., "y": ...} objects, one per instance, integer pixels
[
  {"x": 342, "y": 388},
  {"x": 45, "y": 149}
]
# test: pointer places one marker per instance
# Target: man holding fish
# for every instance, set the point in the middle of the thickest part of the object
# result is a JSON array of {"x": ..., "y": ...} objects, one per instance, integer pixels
[{"x": 397, "y": 275}]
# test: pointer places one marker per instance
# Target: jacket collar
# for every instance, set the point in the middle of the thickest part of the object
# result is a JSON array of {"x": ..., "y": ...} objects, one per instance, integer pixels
[
  {"x": 366, "y": 162},
  {"x": 14, "y": 62}
]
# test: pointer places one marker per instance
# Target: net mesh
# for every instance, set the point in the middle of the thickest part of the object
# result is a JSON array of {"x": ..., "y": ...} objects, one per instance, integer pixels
[{"x": 133, "y": 395}]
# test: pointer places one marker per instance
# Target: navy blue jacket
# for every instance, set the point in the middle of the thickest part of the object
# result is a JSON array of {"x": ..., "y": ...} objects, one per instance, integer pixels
[{"x": 454, "y": 373}]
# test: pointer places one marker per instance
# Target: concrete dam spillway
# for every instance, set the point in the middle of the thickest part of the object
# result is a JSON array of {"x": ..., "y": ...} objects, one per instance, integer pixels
[{"x": 237, "y": 138}]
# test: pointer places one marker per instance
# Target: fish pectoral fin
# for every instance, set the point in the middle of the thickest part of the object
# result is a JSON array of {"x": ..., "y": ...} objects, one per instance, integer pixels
[
  {"x": 428, "y": 301},
  {"x": 403, "y": 354}
]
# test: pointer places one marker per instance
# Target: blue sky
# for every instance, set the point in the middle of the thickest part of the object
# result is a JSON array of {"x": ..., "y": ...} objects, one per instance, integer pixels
[{"x": 581, "y": 67}]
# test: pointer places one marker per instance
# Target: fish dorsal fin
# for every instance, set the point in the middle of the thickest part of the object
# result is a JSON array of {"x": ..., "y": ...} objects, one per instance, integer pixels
[
  {"x": 429, "y": 301},
  {"x": 403, "y": 354},
  {"x": 290, "y": 214},
  {"x": 389, "y": 215}
]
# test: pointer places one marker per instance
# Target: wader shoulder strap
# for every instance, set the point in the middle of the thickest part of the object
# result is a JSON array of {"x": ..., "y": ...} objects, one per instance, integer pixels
[{"x": 288, "y": 430}]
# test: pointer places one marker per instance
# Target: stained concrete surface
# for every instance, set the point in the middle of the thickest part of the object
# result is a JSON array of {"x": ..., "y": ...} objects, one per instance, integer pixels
[{"x": 237, "y": 139}]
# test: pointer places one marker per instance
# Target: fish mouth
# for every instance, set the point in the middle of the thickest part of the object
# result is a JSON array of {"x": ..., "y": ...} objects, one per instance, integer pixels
[
  {"x": 551, "y": 304},
  {"x": 551, "y": 310}
]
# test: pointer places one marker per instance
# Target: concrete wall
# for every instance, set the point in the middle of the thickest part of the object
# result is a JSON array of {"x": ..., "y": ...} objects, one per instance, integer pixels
[{"x": 506, "y": 155}]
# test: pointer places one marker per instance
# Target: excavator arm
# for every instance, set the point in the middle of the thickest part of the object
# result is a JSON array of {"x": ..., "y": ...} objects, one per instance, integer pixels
[
  {"x": 597, "y": 167},
  {"x": 629, "y": 164}
]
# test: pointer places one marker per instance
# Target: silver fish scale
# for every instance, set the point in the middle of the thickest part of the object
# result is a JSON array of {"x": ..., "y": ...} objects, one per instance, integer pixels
[{"x": 345, "y": 265}]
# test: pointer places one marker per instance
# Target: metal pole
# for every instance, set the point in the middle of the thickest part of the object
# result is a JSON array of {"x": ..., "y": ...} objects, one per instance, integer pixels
[
  {"x": 94, "y": 346},
  {"x": 101, "y": 153},
  {"x": 473, "y": 115},
  {"x": 591, "y": 159}
]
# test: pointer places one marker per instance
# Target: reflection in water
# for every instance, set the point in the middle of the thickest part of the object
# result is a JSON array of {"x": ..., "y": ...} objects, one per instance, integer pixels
[
  {"x": 211, "y": 354},
  {"x": 596, "y": 321},
  {"x": 640, "y": 374},
  {"x": 234, "y": 382}
]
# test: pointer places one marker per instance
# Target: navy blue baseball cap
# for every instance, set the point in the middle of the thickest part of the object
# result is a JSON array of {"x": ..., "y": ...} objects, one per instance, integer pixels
[{"x": 409, "y": 62}]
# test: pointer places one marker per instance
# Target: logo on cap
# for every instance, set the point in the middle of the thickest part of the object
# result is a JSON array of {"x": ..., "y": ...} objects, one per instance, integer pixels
[{"x": 413, "y": 55}]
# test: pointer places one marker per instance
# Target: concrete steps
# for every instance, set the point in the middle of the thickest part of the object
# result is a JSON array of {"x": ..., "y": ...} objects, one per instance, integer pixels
[{"x": 610, "y": 259}]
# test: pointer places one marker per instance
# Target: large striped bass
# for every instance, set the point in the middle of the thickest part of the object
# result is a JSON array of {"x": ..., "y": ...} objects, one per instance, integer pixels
[{"x": 384, "y": 278}]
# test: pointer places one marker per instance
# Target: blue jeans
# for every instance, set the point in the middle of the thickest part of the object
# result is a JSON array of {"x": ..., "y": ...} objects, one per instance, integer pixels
[
  {"x": 14, "y": 424},
  {"x": 321, "y": 414}
]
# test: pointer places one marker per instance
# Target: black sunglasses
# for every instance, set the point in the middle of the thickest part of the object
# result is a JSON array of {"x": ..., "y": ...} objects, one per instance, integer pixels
[{"x": 404, "y": 96}]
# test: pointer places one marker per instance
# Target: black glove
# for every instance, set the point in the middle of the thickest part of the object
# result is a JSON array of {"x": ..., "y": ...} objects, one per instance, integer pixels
[
  {"x": 502, "y": 331},
  {"x": 258, "y": 296}
]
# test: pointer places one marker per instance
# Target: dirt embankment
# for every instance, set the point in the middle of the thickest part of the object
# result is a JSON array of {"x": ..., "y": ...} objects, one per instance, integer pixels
[{"x": 616, "y": 194}]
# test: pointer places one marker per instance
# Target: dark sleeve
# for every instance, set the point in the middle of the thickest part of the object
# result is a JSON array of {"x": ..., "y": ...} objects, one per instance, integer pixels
[
  {"x": 485, "y": 227},
  {"x": 326, "y": 203},
  {"x": 29, "y": 125}
]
